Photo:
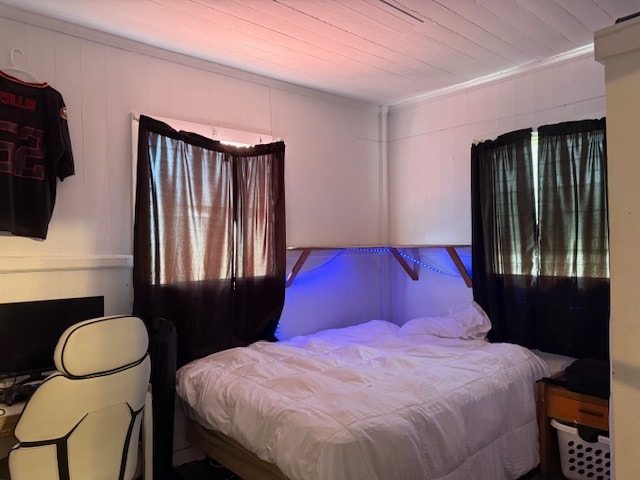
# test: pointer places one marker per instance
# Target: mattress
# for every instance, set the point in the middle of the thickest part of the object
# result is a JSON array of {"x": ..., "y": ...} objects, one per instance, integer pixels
[{"x": 372, "y": 402}]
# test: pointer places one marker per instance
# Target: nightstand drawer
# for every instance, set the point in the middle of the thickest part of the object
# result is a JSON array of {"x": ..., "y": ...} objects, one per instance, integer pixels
[{"x": 595, "y": 415}]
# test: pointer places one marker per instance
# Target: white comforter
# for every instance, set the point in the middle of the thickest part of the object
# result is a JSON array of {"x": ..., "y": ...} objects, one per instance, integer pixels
[{"x": 367, "y": 402}]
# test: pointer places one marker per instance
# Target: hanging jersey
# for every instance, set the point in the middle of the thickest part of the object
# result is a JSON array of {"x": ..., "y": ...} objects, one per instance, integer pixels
[{"x": 35, "y": 151}]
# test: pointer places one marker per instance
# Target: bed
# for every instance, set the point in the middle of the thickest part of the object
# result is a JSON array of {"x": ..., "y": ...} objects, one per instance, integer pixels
[{"x": 431, "y": 399}]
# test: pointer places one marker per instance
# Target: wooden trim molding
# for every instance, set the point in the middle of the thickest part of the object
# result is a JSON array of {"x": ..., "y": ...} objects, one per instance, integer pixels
[{"x": 15, "y": 264}]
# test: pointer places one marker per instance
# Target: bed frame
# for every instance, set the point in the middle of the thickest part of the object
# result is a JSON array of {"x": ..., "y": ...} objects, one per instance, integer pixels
[
  {"x": 244, "y": 463},
  {"x": 232, "y": 454}
]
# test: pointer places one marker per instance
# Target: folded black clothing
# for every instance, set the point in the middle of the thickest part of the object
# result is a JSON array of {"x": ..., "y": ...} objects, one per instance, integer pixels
[
  {"x": 589, "y": 434},
  {"x": 589, "y": 376}
]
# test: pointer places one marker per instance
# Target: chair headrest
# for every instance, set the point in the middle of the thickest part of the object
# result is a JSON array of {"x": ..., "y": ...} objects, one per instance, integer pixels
[{"x": 100, "y": 345}]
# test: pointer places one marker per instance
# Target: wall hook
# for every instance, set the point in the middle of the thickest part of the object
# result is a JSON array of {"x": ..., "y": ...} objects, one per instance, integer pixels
[{"x": 13, "y": 56}]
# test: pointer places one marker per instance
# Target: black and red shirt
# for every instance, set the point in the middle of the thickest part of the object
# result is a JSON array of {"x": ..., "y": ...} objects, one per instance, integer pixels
[{"x": 35, "y": 150}]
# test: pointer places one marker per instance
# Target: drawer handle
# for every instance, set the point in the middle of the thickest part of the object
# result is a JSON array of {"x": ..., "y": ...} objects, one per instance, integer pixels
[{"x": 591, "y": 412}]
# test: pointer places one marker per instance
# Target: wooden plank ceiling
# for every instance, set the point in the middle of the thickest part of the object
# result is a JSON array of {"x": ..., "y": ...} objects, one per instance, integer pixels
[{"x": 379, "y": 51}]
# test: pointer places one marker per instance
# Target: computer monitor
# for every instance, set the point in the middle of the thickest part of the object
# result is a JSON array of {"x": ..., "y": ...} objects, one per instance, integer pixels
[{"x": 29, "y": 332}]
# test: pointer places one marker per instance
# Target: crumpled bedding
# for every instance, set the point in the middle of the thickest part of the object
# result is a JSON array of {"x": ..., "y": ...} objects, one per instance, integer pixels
[{"x": 368, "y": 402}]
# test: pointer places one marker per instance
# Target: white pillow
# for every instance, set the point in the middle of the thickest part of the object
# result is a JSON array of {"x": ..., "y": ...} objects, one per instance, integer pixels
[{"x": 472, "y": 323}]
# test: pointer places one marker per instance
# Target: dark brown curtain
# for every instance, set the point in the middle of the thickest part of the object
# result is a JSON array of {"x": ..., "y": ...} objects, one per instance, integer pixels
[
  {"x": 544, "y": 283},
  {"x": 573, "y": 285},
  {"x": 209, "y": 238},
  {"x": 504, "y": 248}
]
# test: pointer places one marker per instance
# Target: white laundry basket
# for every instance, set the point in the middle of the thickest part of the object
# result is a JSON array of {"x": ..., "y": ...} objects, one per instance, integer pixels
[{"x": 582, "y": 460}]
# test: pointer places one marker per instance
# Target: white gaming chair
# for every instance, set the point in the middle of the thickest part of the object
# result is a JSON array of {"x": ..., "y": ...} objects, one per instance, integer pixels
[{"x": 83, "y": 422}]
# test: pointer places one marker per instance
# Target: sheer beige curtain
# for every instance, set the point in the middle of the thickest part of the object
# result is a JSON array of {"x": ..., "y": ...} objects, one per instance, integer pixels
[
  {"x": 504, "y": 249},
  {"x": 572, "y": 304},
  {"x": 209, "y": 238},
  {"x": 544, "y": 280}
]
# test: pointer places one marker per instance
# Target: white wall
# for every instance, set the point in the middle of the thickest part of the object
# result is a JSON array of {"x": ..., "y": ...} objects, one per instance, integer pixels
[
  {"x": 336, "y": 288},
  {"x": 618, "y": 47},
  {"x": 439, "y": 289},
  {"x": 340, "y": 287},
  {"x": 429, "y": 163},
  {"x": 430, "y": 141},
  {"x": 333, "y": 174}
]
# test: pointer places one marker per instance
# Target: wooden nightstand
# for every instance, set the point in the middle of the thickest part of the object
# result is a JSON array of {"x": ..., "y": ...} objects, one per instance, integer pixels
[{"x": 556, "y": 401}]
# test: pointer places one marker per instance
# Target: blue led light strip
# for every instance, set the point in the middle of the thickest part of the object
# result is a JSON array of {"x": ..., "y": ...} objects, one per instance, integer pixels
[{"x": 406, "y": 257}]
